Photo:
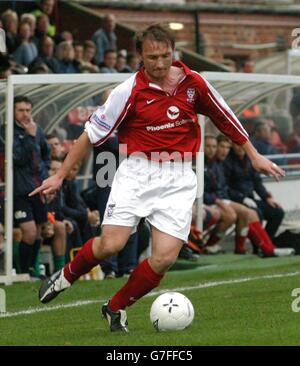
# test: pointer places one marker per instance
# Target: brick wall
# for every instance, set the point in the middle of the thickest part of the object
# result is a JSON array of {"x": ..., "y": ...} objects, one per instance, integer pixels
[{"x": 222, "y": 32}]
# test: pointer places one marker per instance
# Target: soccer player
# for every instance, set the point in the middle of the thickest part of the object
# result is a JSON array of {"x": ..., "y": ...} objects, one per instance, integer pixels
[{"x": 155, "y": 111}]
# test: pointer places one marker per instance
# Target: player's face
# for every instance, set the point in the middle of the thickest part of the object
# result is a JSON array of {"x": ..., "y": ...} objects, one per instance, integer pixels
[
  {"x": 157, "y": 58},
  {"x": 223, "y": 150},
  {"x": 23, "y": 112},
  {"x": 210, "y": 148}
]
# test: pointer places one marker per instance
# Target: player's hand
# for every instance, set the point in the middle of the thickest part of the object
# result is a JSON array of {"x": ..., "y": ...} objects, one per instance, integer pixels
[
  {"x": 50, "y": 185},
  {"x": 266, "y": 166}
]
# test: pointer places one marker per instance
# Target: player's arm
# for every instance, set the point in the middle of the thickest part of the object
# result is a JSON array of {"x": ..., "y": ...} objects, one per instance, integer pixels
[
  {"x": 77, "y": 152},
  {"x": 218, "y": 111}
]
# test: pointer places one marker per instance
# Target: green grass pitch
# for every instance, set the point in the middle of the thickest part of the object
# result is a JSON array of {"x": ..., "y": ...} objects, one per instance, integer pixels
[{"x": 238, "y": 300}]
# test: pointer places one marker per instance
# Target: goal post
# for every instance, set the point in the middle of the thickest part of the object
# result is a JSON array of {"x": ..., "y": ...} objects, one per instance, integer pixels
[{"x": 31, "y": 85}]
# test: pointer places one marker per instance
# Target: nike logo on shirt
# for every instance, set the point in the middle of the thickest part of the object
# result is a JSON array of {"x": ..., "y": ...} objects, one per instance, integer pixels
[{"x": 150, "y": 101}]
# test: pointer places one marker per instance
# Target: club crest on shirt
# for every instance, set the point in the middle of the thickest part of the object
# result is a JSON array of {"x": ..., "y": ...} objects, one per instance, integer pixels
[
  {"x": 173, "y": 112},
  {"x": 190, "y": 92},
  {"x": 110, "y": 210}
]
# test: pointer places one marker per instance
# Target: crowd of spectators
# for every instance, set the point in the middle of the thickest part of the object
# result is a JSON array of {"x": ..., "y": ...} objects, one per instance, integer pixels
[{"x": 34, "y": 46}]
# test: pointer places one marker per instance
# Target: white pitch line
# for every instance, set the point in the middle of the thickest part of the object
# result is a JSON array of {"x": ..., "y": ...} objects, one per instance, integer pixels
[{"x": 153, "y": 293}]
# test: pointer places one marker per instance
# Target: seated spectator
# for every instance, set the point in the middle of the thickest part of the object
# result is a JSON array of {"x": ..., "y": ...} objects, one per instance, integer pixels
[
  {"x": 133, "y": 61},
  {"x": 105, "y": 38},
  {"x": 46, "y": 55},
  {"x": 27, "y": 51},
  {"x": 67, "y": 234},
  {"x": 217, "y": 190},
  {"x": 31, "y": 19},
  {"x": 65, "y": 55},
  {"x": 5, "y": 66},
  {"x": 10, "y": 24},
  {"x": 40, "y": 69},
  {"x": 78, "y": 52},
  {"x": 121, "y": 64},
  {"x": 74, "y": 207},
  {"x": 47, "y": 7},
  {"x": 42, "y": 23},
  {"x": 57, "y": 149},
  {"x": 293, "y": 142},
  {"x": 275, "y": 138},
  {"x": 195, "y": 239},
  {"x": 109, "y": 62},
  {"x": 87, "y": 64},
  {"x": 244, "y": 181},
  {"x": 295, "y": 103},
  {"x": 262, "y": 141}
]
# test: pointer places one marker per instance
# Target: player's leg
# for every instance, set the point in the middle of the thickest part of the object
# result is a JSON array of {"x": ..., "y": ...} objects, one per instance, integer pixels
[
  {"x": 111, "y": 241},
  {"x": 146, "y": 276}
]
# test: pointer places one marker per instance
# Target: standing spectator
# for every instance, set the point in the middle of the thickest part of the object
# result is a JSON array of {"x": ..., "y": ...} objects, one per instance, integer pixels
[
  {"x": 47, "y": 7},
  {"x": 27, "y": 51},
  {"x": 10, "y": 25},
  {"x": 105, "y": 38},
  {"x": 110, "y": 61},
  {"x": 31, "y": 164}
]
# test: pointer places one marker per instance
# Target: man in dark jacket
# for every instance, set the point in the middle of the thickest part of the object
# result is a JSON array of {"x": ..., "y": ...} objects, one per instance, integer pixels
[
  {"x": 31, "y": 163},
  {"x": 244, "y": 181}
]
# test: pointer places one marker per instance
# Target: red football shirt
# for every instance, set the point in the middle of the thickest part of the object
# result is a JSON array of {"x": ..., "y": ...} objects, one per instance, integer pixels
[{"x": 150, "y": 120}]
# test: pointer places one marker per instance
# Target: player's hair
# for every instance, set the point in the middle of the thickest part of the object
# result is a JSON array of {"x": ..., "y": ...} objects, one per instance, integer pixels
[
  {"x": 22, "y": 99},
  {"x": 155, "y": 32}
]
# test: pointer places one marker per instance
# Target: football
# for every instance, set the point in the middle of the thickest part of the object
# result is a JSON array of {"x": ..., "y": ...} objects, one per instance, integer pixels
[{"x": 171, "y": 311}]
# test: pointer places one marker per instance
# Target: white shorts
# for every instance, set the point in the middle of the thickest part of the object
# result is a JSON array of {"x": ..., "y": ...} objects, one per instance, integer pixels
[{"x": 164, "y": 193}]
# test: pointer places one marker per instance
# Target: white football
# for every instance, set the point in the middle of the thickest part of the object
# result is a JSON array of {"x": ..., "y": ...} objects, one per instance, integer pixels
[{"x": 171, "y": 311}]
